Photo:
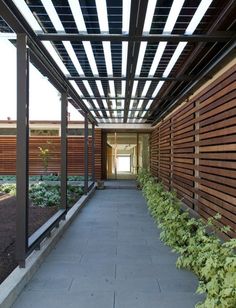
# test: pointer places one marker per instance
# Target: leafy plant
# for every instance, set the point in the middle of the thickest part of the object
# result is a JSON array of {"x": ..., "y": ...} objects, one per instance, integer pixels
[
  {"x": 8, "y": 189},
  {"x": 200, "y": 251},
  {"x": 45, "y": 155}
]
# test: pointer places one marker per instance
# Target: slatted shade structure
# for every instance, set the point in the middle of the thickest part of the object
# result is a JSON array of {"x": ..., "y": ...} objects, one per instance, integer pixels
[{"x": 126, "y": 61}]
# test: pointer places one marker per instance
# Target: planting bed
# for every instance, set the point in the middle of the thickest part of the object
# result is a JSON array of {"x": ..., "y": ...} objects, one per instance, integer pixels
[{"x": 37, "y": 216}]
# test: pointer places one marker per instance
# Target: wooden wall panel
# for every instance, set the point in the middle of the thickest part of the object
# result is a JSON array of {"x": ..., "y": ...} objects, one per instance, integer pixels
[
  {"x": 75, "y": 154},
  {"x": 197, "y": 151}
]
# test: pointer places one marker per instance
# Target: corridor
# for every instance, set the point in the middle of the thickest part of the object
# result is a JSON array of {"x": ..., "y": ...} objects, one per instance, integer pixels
[{"x": 111, "y": 257}]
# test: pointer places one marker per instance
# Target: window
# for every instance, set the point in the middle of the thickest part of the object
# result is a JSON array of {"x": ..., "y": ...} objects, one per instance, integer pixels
[
  {"x": 8, "y": 131},
  {"x": 44, "y": 132}
]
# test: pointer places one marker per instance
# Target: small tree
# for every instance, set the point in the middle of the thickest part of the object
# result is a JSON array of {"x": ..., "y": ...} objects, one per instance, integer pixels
[{"x": 45, "y": 155}]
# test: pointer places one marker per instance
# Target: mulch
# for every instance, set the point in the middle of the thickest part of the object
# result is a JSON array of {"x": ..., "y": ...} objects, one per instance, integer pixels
[{"x": 37, "y": 216}]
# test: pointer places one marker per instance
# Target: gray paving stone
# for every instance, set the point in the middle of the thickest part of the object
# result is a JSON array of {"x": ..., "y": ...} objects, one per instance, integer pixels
[
  {"x": 111, "y": 257},
  {"x": 86, "y": 299},
  {"x": 178, "y": 285}
]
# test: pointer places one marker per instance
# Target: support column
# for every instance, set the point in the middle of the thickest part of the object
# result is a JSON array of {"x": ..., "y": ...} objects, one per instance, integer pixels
[
  {"x": 85, "y": 153},
  {"x": 22, "y": 149},
  {"x": 64, "y": 151},
  {"x": 93, "y": 152}
]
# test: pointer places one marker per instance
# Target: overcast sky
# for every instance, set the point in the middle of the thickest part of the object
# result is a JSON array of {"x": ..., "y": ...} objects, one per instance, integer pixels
[{"x": 44, "y": 98}]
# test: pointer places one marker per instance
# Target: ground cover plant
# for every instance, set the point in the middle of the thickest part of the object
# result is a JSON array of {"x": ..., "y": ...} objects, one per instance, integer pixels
[
  {"x": 213, "y": 261},
  {"x": 43, "y": 194},
  {"x": 49, "y": 177}
]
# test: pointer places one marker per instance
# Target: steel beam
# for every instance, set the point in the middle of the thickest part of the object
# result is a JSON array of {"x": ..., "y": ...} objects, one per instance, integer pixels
[
  {"x": 64, "y": 150},
  {"x": 193, "y": 86},
  {"x": 93, "y": 152},
  {"x": 22, "y": 149},
  {"x": 85, "y": 153},
  {"x": 41, "y": 57},
  {"x": 224, "y": 14},
  {"x": 92, "y": 78},
  {"x": 138, "y": 13},
  {"x": 151, "y": 38}
]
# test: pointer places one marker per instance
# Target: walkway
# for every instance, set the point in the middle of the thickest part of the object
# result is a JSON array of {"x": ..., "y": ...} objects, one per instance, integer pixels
[{"x": 111, "y": 257}]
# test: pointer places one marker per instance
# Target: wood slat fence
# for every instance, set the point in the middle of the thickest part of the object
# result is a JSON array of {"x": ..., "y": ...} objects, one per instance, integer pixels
[
  {"x": 75, "y": 154},
  {"x": 194, "y": 151}
]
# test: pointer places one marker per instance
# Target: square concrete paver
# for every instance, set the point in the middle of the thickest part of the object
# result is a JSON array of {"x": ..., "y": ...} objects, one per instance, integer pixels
[{"x": 111, "y": 257}]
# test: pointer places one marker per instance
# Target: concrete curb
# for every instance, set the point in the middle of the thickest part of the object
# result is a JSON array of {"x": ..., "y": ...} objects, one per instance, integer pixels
[{"x": 12, "y": 286}]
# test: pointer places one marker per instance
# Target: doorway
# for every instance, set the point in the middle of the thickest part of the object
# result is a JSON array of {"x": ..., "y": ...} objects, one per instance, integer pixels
[{"x": 126, "y": 153}]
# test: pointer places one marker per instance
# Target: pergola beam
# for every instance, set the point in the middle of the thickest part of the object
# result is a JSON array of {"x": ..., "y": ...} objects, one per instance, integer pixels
[
  {"x": 137, "y": 18},
  {"x": 92, "y": 78},
  {"x": 44, "y": 62},
  {"x": 220, "y": 36},
  {"x": 230, "y": 50}
]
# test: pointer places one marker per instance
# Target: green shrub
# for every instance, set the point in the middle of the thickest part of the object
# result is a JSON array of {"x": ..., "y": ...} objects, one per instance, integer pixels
[
  {"x": 200, "y": 251},
  {"x": 8, "y": 189}
]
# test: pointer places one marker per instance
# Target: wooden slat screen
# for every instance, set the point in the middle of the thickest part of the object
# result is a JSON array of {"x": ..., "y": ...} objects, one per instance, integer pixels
[
  {"x": 75, "y": 154},
  {"x": 194, "y": 150}
]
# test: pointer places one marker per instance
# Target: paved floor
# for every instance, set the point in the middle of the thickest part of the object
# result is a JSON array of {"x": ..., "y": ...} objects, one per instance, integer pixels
[{"x": 111, "y": 257}]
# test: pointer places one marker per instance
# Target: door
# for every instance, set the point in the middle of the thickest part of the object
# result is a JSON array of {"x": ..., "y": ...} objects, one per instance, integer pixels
[{"x": 122, "y": 155}]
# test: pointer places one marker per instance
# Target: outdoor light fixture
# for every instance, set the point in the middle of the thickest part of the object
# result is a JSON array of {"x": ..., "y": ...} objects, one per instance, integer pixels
[
  {"x": 102, "y": 15},
  {"x": 126, "y": 4}
]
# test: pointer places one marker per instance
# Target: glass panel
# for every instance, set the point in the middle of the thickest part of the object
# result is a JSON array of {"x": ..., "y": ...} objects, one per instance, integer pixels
[{"x": 121, "y": 155}]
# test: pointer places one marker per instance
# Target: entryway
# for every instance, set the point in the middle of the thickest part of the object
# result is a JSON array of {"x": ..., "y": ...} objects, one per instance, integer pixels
[{"x": 126, "y": 153}]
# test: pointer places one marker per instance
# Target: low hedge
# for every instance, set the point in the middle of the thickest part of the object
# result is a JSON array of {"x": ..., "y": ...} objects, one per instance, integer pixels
[{"x": 202, "y": 252}]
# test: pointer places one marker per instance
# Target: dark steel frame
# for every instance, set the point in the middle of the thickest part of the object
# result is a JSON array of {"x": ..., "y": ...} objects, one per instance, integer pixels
[
  {"x": 22, "y": 149},
  {"x": 86, "y": 186}
]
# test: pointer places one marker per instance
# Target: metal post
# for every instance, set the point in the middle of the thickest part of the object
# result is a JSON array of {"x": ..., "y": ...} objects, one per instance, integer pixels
[
  {"x": 93, "y": 152},
  {"x": 85, "y": 153},
  {"x": 64, "y": 150},
  {"x": 22, "y": 149}
]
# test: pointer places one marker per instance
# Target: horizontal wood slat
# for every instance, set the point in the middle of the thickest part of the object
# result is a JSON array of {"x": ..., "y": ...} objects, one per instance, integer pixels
[
  {"x": 75, "y": 154},
  {"x": 194, "y": 150}
]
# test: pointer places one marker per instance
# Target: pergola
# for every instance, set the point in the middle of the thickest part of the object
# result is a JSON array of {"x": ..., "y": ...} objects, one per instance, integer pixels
[
  {"x": 117, "y": 62},
  {"x": 124, "y": 61}
]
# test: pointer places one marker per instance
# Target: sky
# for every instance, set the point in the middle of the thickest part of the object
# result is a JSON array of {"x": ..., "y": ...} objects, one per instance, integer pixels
[{"x": 44, "y": 98}]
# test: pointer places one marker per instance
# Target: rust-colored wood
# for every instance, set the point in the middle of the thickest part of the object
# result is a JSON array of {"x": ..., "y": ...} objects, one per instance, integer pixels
[
  {"x": 196, "y": 148},
  {"x": 75, "y": 155}
]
